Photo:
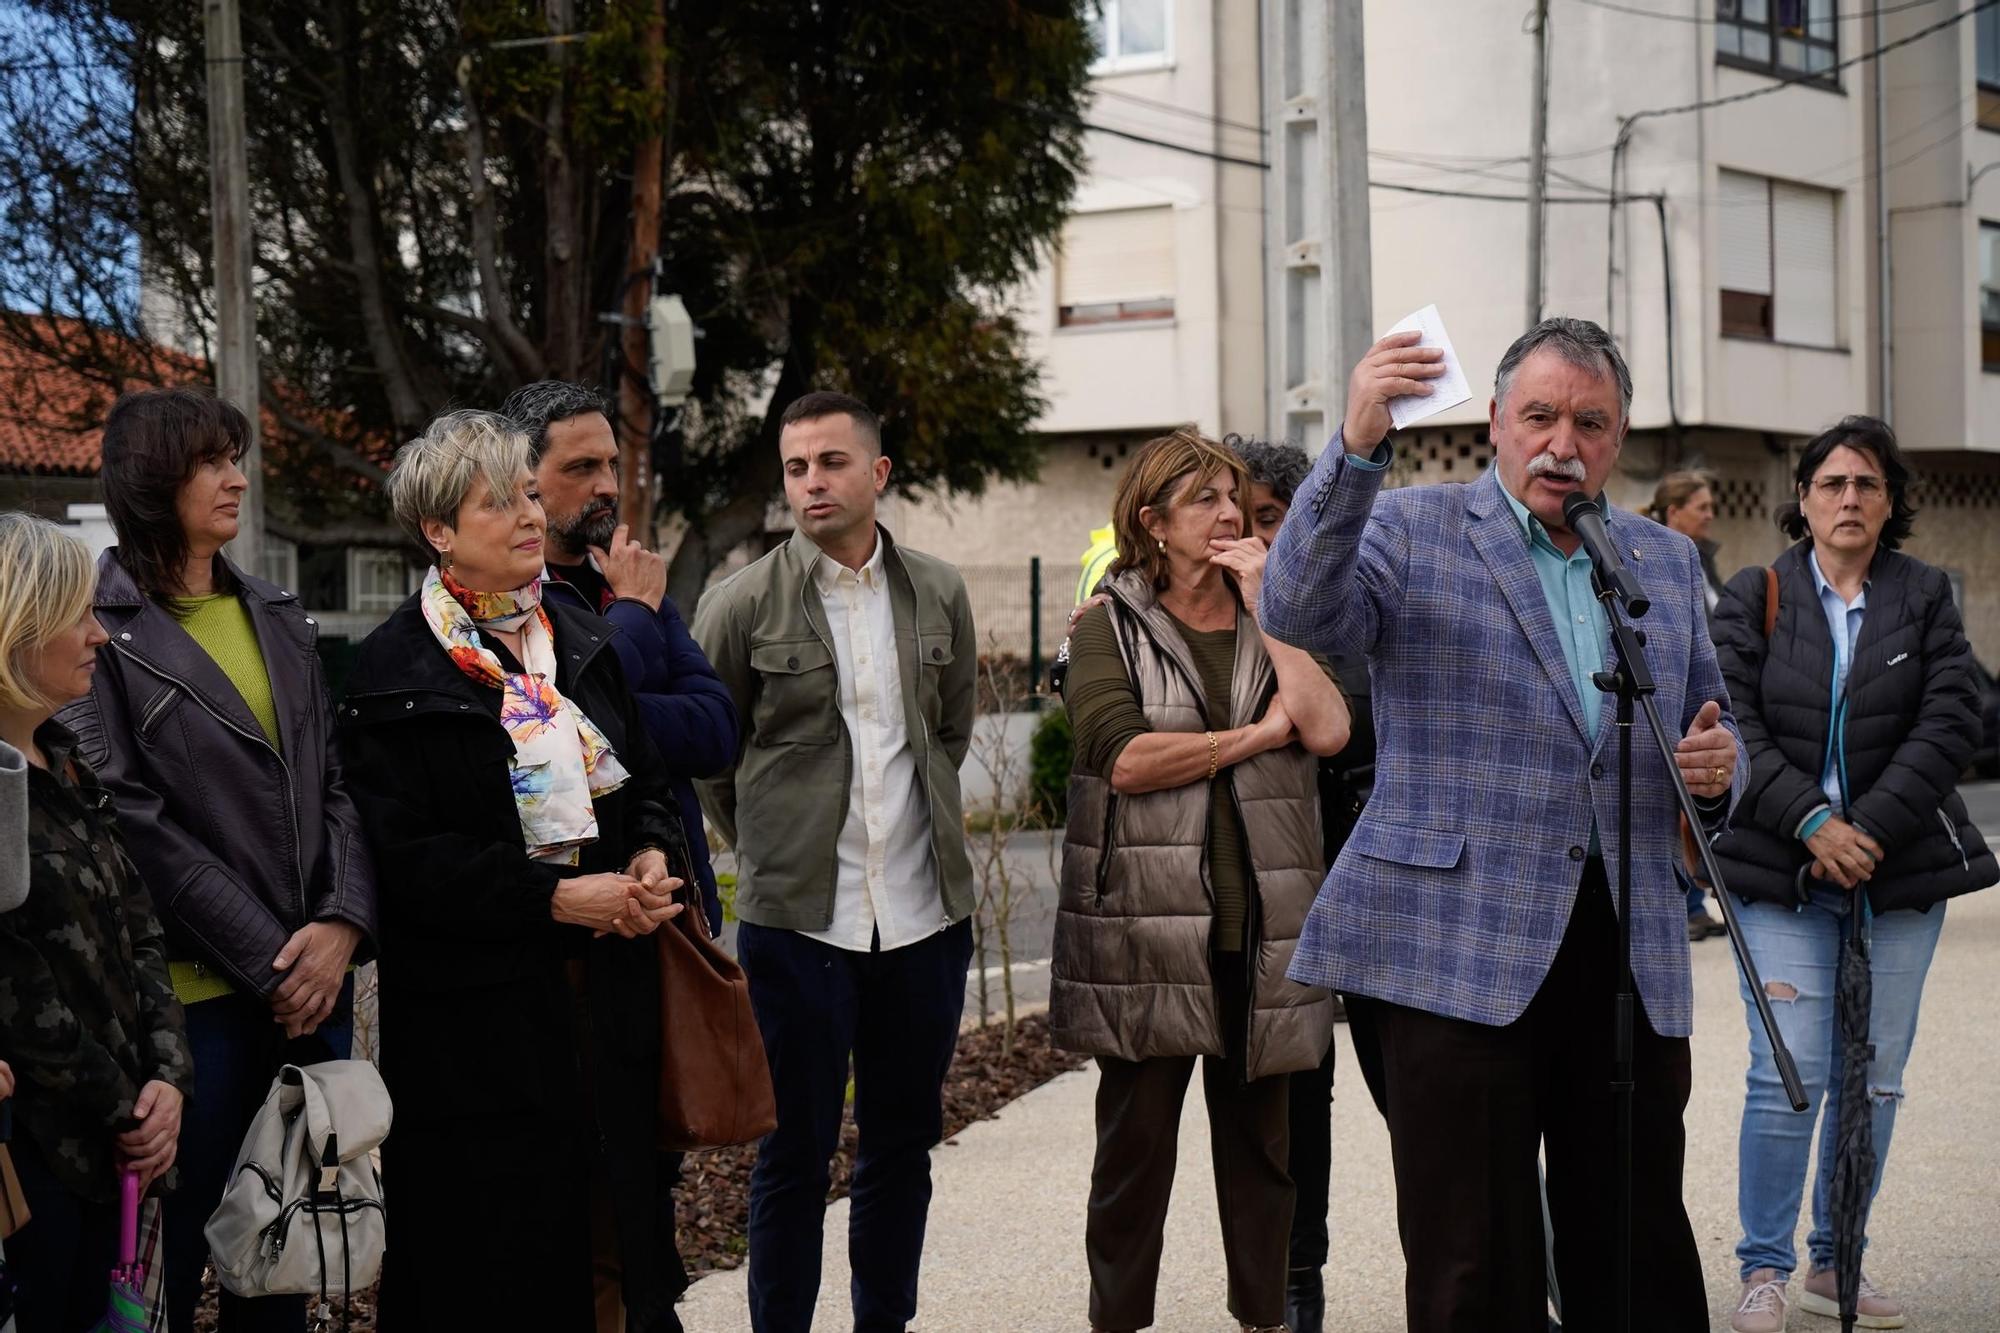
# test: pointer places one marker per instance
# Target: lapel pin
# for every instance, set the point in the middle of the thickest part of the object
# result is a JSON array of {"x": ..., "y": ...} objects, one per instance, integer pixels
[{"x": 1635, "y": 553}]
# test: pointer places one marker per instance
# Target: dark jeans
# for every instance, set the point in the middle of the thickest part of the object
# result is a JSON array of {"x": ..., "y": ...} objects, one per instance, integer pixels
[
  {"x": 896, "y": 1014},
  {"x": 1469, "y": 1105},
  {"x": 1312, "y": 1132},
  {"x": 61, "y": 1259},
  {"x": 1311, "y": 1163},
  {"x": 238, "y": 1050},
  {"x": 1138, "y": 1126}
]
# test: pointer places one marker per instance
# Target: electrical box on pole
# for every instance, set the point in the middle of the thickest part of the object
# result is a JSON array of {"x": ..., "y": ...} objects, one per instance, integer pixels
[
  {"x": 670, "y": 367},
  {"x": 1319, "y": 309}
]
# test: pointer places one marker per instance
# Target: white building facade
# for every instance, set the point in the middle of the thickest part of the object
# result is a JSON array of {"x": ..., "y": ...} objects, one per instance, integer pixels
[{"x": 1753, "y": 327}]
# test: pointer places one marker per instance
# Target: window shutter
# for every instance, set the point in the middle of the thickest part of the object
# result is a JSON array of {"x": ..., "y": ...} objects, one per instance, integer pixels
[
  {"x": 1803, "y": 265},
  {"x": 1123, "y": 255},
  {"x": 1743, "y": 233}
]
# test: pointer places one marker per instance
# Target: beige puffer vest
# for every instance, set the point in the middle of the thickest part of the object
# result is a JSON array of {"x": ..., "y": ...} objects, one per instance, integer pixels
[{"x": 1131, "y": 976}]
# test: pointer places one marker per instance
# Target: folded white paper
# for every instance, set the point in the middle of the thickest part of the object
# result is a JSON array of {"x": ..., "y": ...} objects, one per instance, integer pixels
[{"x": 1447, "y": 390}]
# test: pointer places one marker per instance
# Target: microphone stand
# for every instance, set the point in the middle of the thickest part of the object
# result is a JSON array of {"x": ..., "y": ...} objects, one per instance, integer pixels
[{"x": 1631, "y": 679}]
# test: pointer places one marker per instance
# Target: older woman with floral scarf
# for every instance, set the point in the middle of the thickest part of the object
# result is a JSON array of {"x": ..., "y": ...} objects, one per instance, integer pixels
[{"x": 524, "y": 831}]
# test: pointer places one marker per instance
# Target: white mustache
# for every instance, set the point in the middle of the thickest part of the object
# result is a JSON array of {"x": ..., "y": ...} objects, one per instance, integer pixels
[{"x": 1548, "y": 465}]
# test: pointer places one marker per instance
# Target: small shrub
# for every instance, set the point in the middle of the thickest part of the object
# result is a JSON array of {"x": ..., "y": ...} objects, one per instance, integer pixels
[{"x": 1050, "y": 752}]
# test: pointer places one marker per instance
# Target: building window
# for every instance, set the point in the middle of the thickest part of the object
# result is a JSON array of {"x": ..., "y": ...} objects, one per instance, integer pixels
[
  {"x": 1777, "y": 260},
  {"x": 1781, "y": 36},
  {"x": 278, "y": 562},
  {"x": 1986, "y": 37},
  {"x": 1116, "y": 267},
  {"x": 377, "y": 579},
  {"x": 1989, "y": 295},
  {"x": 1131, "y": 34}
]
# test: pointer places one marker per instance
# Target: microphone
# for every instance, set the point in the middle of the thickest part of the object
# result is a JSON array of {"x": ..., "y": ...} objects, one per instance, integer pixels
[{"x": 1586, "y": 520}]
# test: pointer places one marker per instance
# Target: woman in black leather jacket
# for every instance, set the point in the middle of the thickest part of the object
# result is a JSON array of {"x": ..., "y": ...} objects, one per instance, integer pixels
[
  {"x": 209, "y": 724},
  {"x": 1858, "y": 711}
]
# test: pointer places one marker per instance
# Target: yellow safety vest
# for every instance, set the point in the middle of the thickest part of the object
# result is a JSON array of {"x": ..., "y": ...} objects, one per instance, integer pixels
[{"x": 1103, "y": 550}]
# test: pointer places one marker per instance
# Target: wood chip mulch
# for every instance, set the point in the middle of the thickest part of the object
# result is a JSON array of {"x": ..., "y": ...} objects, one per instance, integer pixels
[{"x": 714, "y": 1197}]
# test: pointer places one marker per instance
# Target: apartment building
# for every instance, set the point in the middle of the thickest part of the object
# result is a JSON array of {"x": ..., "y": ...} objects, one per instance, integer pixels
[
  {"x": 1149, "y": 313},
  {"x": 1742, "y": 273}
]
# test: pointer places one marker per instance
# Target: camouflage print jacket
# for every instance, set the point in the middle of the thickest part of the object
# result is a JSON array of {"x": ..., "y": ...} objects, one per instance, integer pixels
[{"x": 87, "y": 1014}]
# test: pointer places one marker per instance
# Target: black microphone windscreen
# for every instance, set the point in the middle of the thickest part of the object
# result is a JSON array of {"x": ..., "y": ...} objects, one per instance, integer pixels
[{"x": 1575, "y": 501}]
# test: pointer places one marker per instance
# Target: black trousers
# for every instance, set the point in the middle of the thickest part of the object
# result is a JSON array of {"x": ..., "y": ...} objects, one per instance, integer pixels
[
  {"x": 1469, "y": 1105},
  {"x": 62, "y": 1256},
  {"x": 1312, "y": 1133},
  {"x": 1138, "y": 1129},
  {"x": 896, "y": 1013}
]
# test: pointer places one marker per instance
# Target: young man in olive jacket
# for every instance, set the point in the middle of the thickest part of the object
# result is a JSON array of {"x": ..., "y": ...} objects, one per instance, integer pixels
[{"x": 853, "y": 664}]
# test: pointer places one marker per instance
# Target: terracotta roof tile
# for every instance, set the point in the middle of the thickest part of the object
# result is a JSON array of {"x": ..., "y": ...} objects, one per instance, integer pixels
[{"x": 49, "y": 413}]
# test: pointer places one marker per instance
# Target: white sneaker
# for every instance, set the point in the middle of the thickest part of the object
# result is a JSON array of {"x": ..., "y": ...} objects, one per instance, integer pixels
[{"x": 1761, "y": 1308}]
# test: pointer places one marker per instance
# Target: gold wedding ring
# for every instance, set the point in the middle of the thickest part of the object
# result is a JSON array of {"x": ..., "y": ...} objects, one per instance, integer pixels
[{"x": 1717, "y": 779}]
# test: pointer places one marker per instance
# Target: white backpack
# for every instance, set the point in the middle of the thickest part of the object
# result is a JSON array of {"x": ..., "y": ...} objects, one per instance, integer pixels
[{"x": 302, "y": 1213}]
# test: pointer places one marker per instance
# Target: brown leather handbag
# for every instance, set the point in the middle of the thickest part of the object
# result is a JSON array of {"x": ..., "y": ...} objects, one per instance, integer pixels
[{"x": 715, "y": 1085}]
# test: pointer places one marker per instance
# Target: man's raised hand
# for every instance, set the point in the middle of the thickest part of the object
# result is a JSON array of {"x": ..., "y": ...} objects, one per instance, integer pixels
[{"x": 1394, "y": 368}]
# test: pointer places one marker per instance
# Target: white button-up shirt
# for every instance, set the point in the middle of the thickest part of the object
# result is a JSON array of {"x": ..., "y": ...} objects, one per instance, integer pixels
[{"x": 887, "y": 884}]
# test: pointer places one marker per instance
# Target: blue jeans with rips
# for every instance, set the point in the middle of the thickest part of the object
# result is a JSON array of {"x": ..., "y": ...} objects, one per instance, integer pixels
[{"x": 1797, "y": 951}]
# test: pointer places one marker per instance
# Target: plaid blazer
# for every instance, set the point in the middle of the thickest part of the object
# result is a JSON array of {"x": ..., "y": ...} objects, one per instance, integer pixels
[{"x": 1453, "y": 892}]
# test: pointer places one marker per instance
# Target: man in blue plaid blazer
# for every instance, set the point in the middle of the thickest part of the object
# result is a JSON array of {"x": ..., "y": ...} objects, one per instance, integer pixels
[{"x": 1469, "y": 917}]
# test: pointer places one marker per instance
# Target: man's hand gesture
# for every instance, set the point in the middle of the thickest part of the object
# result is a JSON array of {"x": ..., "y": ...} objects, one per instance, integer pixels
[
  {"x": 1707, "y": 754},
  {"x": 1394, "y": 368},
  {"x": 631, "y": 569}
]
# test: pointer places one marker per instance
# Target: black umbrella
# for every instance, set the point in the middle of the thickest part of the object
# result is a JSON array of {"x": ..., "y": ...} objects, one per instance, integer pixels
[{"x": 1854, "y": 1148}]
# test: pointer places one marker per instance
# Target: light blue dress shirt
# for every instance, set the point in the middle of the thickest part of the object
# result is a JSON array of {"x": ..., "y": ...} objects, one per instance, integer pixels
[
  {"x": 1843, "y": 622},
  {"x": 1581, "y": 625}
]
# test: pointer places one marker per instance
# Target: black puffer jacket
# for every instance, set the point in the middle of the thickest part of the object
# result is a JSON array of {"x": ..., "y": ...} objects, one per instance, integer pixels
[{"x": 1906, "y": 728}]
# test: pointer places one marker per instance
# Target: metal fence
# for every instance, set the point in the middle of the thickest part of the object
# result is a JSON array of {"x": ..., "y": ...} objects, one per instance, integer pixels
[{"x": 1019, "y": 611}]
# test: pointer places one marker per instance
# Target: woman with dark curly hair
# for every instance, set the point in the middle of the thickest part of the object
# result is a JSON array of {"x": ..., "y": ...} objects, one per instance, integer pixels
[{"x": 1858, "y": 709}]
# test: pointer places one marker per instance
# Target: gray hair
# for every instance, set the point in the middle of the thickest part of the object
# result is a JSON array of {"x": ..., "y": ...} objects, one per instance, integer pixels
[
  {"x": 542, "y": 404},
  {"x": 1580, "y": 342},
  {"x": 434, "y": 473},
  {"x": 1280, "y": 464}
]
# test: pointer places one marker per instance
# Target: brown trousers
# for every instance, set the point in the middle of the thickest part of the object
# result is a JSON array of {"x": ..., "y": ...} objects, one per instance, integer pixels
[{"x": 1138, "y": 1131}]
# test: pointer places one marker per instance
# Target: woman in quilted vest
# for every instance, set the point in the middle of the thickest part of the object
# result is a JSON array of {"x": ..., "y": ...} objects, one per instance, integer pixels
[
  {"x": 1858, "y": 708},
  {"x": 1192, "y": 856}
]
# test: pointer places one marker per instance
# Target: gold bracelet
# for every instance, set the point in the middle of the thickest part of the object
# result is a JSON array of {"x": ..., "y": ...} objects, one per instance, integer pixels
[{"x": 1214, "y": 750}]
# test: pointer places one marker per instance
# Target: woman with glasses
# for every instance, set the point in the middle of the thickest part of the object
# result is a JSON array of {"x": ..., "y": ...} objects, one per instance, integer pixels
[{"x": 1858, "y": 709}]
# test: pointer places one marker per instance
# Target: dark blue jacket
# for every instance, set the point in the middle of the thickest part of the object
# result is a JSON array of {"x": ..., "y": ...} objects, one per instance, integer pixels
[{"x": 685, "y": 706}]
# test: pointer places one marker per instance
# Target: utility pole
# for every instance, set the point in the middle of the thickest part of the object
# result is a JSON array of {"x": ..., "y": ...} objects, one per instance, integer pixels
[
  {"x": 234, "y": 245},
  {"x": 636, "y": 405},
  {"x": 1320, "y": 304},
  {"x": 1538, "y": 165}
]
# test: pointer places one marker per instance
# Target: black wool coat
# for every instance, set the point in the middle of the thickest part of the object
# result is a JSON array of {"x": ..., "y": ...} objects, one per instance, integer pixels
[
  {"x": 521, "y": 1054},
  {"x": 1906, "y": 728}
]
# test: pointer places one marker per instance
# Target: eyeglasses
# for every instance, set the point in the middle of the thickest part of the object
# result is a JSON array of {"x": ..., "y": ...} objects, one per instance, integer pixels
[{"x": 1833, "y": 488}]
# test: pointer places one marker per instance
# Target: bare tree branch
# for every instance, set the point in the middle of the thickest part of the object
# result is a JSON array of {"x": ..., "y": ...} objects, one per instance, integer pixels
[{"x": 503, "y": 331}]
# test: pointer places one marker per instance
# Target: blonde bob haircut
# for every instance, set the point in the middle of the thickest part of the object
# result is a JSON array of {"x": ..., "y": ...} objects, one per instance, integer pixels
[
  {"x": 46, "y": 582},
  {"x": 435, "y": 473},
  {"x": 1157, "y": 475}
]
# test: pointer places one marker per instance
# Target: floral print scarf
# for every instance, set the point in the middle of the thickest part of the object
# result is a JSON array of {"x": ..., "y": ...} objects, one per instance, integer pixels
[{"x": 561, "y": 760}]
